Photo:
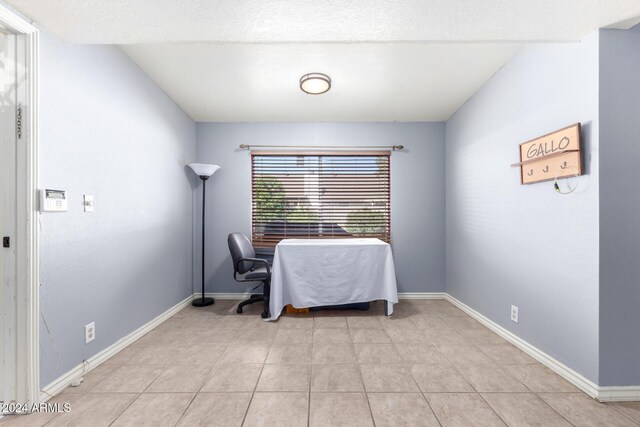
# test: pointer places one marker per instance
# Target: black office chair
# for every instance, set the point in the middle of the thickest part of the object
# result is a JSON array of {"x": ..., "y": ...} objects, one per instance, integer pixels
[{"x": 245, "y": 269}]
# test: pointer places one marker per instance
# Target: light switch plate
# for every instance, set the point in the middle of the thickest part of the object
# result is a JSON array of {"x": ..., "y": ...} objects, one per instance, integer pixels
[{"x": 88, "y": 203}]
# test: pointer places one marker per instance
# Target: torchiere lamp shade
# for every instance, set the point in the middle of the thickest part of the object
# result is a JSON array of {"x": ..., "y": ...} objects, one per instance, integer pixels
[{"x": 203, "y": 169}]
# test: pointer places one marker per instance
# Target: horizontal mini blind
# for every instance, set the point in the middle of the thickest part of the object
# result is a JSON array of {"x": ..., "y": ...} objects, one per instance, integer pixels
[{"x": 320, "y": 195}]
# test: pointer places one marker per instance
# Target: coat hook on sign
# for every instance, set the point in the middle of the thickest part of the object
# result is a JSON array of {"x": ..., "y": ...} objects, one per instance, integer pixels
[
  {"x": 563, "y": 165},
  {"x": 530, "y": 172},
  {"x": 546, "y": 169}
]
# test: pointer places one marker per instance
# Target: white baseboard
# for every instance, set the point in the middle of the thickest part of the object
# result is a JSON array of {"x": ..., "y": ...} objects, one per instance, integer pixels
[
  {"x": 564, "y": 371},
  {"x": 602, "y": 394},
  {"x": 63, "y": 382},
  {"x": 224, "y": 295},
  {"x": 245, "y": 295},
  {"x": 619, "y": 394},
  {"x": 421, "y": 295}
]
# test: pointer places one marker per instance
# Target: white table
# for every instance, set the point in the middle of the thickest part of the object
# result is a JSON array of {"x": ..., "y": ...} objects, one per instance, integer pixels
[{"x": 319, "y": 272}]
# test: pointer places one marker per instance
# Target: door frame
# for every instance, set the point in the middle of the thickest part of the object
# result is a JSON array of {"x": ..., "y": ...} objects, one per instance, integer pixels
[{"x": 27, "y": 238}]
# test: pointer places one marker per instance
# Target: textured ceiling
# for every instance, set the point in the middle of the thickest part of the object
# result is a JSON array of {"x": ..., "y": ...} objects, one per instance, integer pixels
[
  {"x": 283, "y": 21},
  {"x": 390, "y": 60},
  {"x": 371, "y": 82}
]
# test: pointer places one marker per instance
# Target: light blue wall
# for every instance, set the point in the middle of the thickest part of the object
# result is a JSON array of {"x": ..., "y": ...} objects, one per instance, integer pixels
[
  {"x": 106, "y": 129},
  {"x": 417, "y": 192},
  {"x": 527, "y": 245},
  {"x": 619, "y": 207}
]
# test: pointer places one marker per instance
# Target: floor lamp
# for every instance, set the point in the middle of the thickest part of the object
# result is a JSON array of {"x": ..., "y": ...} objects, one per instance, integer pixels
[{"x": 204, "y": 171}]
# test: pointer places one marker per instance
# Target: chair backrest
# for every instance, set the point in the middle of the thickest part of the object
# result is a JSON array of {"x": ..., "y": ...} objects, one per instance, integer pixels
[{"x": 240, "y": 247}]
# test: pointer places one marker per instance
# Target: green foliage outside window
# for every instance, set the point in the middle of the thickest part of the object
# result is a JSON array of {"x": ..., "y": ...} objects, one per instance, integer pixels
[
  {"x": 301, "y": 214},
  {"x": 268, "y": 196},
  {"x": 365, "y": 221},
  {"x": 271, "y": 206},
  {"x": 270, "y": 203}
]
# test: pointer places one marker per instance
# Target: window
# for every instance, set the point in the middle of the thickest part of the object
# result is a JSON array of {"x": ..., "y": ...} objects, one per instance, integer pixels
[{"x": 320, "y": 195}]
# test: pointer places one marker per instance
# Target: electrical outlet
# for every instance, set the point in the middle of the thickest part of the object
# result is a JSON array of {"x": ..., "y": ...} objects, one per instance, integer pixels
[
  {"x": 89, "y": 332},
  {"x": 514, "y": 313}
]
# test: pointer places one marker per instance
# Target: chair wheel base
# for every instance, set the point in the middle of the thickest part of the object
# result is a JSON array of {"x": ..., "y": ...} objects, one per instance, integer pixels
[
  {"x": 264, "y": 315},
  {"x": 239, "y": 310}
]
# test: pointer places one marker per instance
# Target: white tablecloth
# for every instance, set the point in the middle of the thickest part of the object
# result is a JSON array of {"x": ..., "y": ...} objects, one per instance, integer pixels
[{"x": 318, "y": 272}]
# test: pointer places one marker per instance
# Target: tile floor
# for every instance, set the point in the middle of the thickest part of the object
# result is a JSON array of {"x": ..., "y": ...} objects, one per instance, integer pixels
[{"x": 428, "y": 365}]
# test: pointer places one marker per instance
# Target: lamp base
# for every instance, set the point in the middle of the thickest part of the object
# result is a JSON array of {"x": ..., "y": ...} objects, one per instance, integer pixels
[{"x": 202, "y": 302}]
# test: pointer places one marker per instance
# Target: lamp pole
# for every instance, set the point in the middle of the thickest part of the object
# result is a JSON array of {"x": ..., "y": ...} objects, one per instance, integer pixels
[
  {"x": 204, "y": 171},
  {"x": 204, "y": 301}
]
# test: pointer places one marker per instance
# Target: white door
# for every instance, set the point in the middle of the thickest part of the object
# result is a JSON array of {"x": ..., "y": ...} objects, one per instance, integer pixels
[
  {"x": 19, "y": 275},
  {"x": 9, "y": 75}
]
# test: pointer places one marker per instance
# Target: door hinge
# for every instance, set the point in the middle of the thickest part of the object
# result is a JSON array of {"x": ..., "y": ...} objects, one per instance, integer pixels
[
  {"x": 19, "y": 122},
  {"x": 6, "y": 242}
]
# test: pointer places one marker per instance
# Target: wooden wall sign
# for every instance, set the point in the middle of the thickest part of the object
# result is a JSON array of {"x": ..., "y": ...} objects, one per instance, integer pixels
[{"x": 555, "y": 155}]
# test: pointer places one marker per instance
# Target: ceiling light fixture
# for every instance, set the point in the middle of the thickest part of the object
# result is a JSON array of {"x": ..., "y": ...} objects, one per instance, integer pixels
[{"x": 315, "y": 83}]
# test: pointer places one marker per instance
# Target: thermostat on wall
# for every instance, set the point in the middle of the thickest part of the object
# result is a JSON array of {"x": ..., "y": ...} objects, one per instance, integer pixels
[{"x": 53, "y": 200}]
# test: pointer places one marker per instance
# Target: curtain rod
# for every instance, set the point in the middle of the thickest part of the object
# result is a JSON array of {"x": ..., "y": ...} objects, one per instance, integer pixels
[{"x": 313, "y": 147}]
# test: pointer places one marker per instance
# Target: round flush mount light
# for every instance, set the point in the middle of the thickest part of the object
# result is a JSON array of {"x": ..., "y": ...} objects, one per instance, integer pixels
[{"x": 315, "y": 83}]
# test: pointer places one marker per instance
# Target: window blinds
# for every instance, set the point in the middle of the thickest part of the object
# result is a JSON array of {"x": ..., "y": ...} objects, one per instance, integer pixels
[{"x": 320, "y": 195}]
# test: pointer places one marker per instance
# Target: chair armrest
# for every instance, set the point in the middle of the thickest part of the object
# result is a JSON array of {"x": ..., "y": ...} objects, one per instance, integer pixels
[{"x": 257, "y": 260}]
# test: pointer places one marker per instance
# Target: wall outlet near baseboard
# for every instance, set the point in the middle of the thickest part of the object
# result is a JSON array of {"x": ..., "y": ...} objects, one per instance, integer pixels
[
  {"x": 89, "y": 332},
  {"x": 514, "y": 313}
]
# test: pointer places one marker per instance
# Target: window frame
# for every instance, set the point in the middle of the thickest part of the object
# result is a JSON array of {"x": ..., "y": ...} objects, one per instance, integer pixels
[{"x": 382, "y": 192}]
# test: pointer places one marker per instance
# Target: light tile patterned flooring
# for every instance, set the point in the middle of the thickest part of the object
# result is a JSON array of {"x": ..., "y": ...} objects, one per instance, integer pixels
[{"x": 427, "y": 365}]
